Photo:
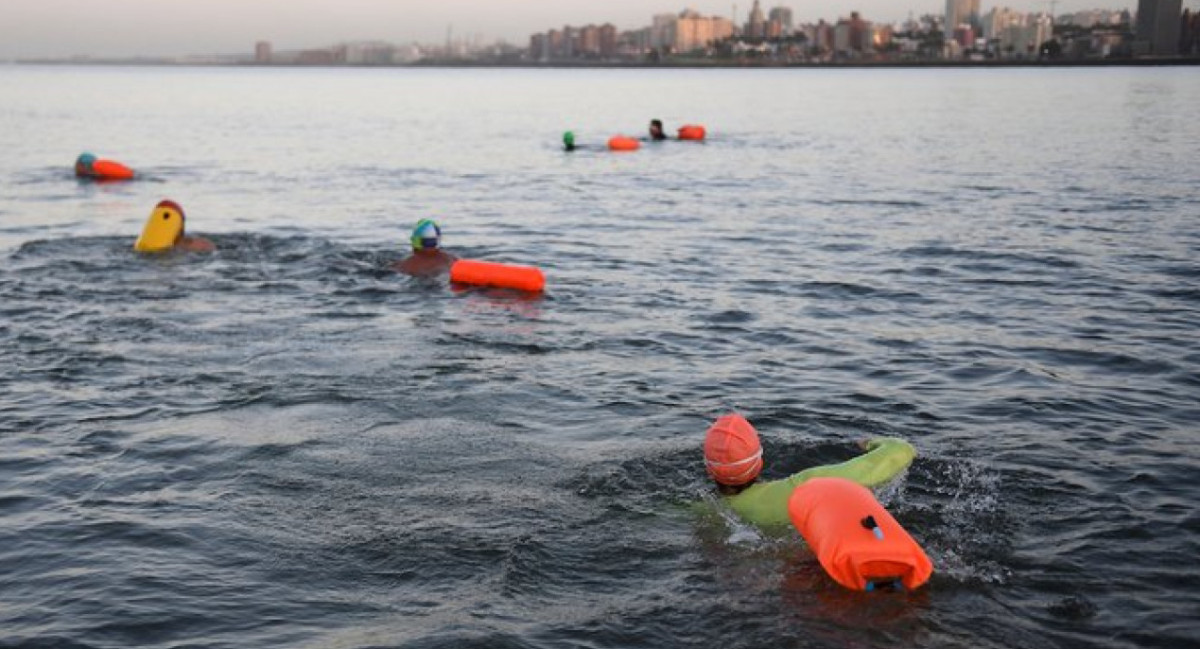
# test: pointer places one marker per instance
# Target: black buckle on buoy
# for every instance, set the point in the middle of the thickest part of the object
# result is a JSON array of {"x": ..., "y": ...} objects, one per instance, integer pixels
[{"x": 892, "y": 584}]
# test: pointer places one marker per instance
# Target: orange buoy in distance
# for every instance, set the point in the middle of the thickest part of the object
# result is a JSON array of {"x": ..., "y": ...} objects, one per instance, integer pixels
[
  {"x": 623, "y": 143},
  {"x": 89, "y": 166},
  {"x": 691, "y": 132},
  {"x": 856, "y": 540},
  {"x": 486, "y": 273}
]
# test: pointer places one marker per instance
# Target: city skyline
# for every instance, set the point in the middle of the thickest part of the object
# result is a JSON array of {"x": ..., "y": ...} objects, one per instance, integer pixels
[{"x": 65, "y": 28}]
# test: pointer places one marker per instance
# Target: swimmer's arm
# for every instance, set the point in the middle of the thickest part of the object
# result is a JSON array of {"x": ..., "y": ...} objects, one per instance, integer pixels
[
  {"x": 196, "y": 244},
  {"x": 885, "y": 458}
]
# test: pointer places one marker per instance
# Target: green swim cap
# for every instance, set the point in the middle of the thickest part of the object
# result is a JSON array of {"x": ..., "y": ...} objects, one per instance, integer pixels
[{"x": 569, "y": 138}]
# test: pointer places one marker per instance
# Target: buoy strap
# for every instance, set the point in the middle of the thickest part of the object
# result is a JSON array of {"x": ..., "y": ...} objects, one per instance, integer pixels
[{"x": 757, "y": 454}]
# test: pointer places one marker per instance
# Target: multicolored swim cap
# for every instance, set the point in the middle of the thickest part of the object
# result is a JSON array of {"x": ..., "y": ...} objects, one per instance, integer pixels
[
  {"x": 426, "y": 235},
  {"x": 732, "y": 452}
]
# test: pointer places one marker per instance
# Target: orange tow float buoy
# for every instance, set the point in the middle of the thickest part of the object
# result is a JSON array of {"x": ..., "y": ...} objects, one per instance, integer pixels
[
  {"x": 856, "y": 540},
  {"x": 486, "y": 273},
  {"x": 691, "y": 132},
  {"x": 623, "y": 143},
  {"x": 89, "y": 166}
]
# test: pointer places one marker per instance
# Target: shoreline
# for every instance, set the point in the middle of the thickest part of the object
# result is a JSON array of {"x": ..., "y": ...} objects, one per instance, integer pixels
[{"x": 660, "y": 65}]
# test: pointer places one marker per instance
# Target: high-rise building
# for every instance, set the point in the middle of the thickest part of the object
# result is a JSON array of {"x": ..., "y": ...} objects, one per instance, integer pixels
[
  {"x": 756, "y": 27},
  {"x": 997, "y": 21},
  {"x": 539, "y": 47},
  {"x": 693, "y": 31},
  {"x": 608, "y": 40},
  {"x": 853, "y": 35},
  {"x": 262, "y": 52},
  {"x": 1040, "y": 30},
  {"x": 1189, "y": 38},
  {"x": 783, "y": 17},
  {"x": 589, "y": 41},
  {"x": 662, "y": 31},
  {"x": 961, "y": 12},
  {"x": 1158, "y": 27}
]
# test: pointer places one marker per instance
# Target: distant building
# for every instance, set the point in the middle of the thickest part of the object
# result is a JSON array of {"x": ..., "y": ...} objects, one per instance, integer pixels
[
  {"x": 538, "y": 50},
  {"x": 756, "y": 27},
  {"x": 998, "y": 21},
  {"x": 961, "y": 12},
  {"x": 370, "y": 53},
  {"x": 662, "y": 31},
  {"x": 1093, "y": 17},
  {"x": 964, "y": 35},
  {"x": 608, "y": 40},
  {"x": 780, "y": 19},
  {"x": 1158, "y": 27},
  {"x": 1189, "y": 38},
  {"x": 317, "y": 57},
  {"x": 262, "y": 52},
  {"x": 1040, "y": 30},
  {"x": 853, "y": 36},
  {"x": 554, "y": 44},
  {"x": 589, "y": 41},
  {"x": 821, "y": 37},
  {"x": 634, "y": 43},
  {"x": 695, "y": 32},
  {"x": 570, "y": 42}
]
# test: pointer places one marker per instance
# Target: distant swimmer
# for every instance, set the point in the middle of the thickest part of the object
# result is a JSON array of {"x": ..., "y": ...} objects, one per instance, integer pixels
[
  {"x": 733, "y": 457},
  {"x": 656, "y": 130},
  {"x": 568, "y": 141},
  {"x": 89, "y": 166},
  {"x": 165, "y": 231},
  {"x": 427, "y": 259}
]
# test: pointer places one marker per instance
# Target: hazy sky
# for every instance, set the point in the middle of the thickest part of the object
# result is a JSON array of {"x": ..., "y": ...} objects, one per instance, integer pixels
[{"x": 30, "y": 28}]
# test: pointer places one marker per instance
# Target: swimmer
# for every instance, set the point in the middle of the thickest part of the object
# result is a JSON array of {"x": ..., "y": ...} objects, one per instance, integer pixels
[
  {"x": 427, "y": 259},
  {"x": 733, "y": 457},
  {"x": 656, "y": 130},
  {"x": 568, "y": 141},
  {"x": 164, "y": 231},
  {"x": 83, "y": 165},
  {"x": 90, "y": 167}
]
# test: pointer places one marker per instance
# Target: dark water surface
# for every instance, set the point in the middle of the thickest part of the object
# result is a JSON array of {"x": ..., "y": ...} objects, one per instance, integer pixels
[{"x": 284, "y": 444}]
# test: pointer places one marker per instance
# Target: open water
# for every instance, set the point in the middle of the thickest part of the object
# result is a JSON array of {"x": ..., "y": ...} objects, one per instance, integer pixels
[{"x": 285, "y": 444}]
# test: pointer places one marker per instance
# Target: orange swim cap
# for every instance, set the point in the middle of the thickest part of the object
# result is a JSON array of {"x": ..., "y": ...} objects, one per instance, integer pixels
[{"x": 732, "y": 452}]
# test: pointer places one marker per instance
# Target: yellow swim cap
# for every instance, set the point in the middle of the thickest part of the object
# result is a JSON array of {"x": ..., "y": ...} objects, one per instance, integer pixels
[{"x": 163, "y": 229}]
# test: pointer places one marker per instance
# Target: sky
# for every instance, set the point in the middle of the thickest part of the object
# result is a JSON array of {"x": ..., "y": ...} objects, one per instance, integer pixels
[{"x": 62, "y": 28}]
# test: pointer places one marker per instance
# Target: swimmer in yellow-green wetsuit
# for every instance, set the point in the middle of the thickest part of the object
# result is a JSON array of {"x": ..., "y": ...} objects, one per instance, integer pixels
[{"x": 733, "y": 456}]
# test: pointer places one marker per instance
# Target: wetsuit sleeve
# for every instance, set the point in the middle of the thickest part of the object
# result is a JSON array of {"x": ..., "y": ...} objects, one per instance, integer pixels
[{"x": 885, "y": 458}]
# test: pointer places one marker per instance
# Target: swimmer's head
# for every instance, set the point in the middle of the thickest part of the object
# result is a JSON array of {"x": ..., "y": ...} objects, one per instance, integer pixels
[
  {"x": 426, "y": 235},
  {"x": 84, "y": 162},
  {"x": 163, "y": 229},
  {"x": 569, "y": 140},
  {"x": 732, "y": 452},
  {"x": 656, "y": 129}
]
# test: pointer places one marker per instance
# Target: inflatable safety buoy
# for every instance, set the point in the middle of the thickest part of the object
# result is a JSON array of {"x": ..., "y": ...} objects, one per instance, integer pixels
[
  {"x": 623, "y": 143},
  {"x": 691, "y": 132},
  {"x": 163, "y": 229},
  {"x": 89, "y": 166},
  {"x": 856, "y": 540},
  {"x": 110, "y": 170},
  {"x": 486, "y": 273}
]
